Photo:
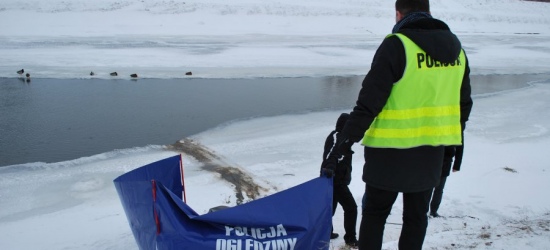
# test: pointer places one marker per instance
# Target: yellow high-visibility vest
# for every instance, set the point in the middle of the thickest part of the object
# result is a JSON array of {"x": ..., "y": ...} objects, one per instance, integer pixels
[{"x": 424, "y": 105}]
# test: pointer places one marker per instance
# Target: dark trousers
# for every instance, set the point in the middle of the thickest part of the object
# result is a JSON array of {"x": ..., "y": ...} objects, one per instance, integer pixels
[
  {"x": 377, "y": 208},
  {"x": 438, "y": 195},
  {"x": 343, "y": 196}
]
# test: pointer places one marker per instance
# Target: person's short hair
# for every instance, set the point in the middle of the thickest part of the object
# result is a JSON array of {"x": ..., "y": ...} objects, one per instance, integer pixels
[{"x": 409, "y": 6}]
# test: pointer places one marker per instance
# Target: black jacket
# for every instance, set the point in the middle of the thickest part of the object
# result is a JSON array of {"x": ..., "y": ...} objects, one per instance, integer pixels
[
  {"x": 342, "y": 173},
  {"x": 404, "y": 170}
]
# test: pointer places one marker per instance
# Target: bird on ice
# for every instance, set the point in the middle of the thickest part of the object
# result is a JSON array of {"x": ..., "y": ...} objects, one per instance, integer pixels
[{"x": 21, "y": 71}]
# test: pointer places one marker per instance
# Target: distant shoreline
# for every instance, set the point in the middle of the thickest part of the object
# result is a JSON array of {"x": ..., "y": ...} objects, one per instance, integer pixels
[{"x": 23, "y": 79}]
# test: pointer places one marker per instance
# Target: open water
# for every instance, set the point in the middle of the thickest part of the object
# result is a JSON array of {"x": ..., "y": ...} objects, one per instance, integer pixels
[{"x": 53, "y": 120}]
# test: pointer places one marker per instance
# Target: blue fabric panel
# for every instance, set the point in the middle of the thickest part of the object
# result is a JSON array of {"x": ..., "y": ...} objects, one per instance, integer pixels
[{"x": 297, "y": 218}]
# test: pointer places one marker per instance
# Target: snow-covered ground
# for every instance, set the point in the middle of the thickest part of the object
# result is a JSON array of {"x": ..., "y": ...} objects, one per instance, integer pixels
[
  {"x": 249, "y": 38},
  {"x": 498, "y": 201}
]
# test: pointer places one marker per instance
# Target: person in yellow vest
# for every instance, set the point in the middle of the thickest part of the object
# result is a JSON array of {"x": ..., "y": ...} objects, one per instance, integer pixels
[{"x": 414, "y": 101}]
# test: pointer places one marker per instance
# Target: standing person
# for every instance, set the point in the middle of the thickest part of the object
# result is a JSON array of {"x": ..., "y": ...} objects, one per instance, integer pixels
[
  {"x": 450, "y": 153},
  {"x": 342, "y": 178},
  {"x": 414, "y": 101}
]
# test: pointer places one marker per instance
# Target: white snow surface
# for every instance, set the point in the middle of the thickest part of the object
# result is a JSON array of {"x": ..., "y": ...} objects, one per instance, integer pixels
[{"x": 250, "y": 38}]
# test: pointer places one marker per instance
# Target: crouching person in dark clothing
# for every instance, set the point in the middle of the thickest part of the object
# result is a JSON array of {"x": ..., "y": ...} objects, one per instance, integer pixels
[{"x": 342, "y": 178}]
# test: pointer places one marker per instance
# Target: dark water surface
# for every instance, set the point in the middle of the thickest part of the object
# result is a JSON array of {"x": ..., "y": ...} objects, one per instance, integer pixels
[{"x": 52, "y": 120}]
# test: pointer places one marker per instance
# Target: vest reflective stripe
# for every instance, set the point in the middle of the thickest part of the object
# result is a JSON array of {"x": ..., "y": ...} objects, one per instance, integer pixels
[
  {"x": 419, "y": 112},
  {"x": 424, "y": 105},
  {"x": 415, "y": 132}
]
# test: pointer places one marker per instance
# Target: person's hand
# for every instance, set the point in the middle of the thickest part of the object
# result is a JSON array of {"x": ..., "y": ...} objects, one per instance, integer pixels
[
  {"x": 327, "y": 172},
  {"x": 328, "y": 166},
  {"x": 342, "y": 145}
]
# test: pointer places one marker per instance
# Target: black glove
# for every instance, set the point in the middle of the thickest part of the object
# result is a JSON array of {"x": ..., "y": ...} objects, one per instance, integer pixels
[{"x": 341, "y": 147}]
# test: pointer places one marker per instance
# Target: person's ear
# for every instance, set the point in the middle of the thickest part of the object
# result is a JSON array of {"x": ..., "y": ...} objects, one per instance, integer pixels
[{"x": 398, "y": 16}]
